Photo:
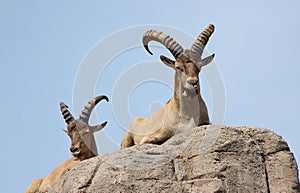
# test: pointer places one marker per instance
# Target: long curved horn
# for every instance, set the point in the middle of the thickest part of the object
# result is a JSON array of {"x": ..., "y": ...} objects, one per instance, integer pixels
[
  {"x": 86, "y": 112},
  {"x": 202, "y": 40},
  {"x": 68, "y": 117},
  {"x": 175, "y": 48}
]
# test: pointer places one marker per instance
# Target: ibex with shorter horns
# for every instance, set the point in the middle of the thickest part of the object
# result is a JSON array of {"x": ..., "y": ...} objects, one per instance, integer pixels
[
  {"x": 186, "y": 104},
  {"x": 83, "y": 144}
]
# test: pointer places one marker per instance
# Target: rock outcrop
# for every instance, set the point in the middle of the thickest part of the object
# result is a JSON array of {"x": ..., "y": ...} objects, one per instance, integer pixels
[{"x": 202, "y": 159}]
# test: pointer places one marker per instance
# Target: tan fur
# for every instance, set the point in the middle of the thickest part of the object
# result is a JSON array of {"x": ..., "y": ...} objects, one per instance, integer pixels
[
  {"x": 186, "y": 105},
  {"x": 43, "y": 184},
  {"x": 34, "y": 186},
  {"x": 83, "y": 144},
  {"x": 150, "y": 130}
]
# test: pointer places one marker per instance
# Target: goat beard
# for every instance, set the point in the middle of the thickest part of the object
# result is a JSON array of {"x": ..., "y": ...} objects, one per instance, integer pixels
[{"x": 77, "y": 154}]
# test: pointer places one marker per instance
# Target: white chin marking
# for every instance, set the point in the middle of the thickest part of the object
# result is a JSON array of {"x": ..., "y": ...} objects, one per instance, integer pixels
[
  {"x": 76, "y": 153},
  {"x": 184, "y": 93}
]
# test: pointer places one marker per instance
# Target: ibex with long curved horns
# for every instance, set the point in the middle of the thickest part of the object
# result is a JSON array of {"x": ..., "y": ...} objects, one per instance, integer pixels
[
  {"x": 186, "y": 104},
  {"x": 83, "y": 144}
]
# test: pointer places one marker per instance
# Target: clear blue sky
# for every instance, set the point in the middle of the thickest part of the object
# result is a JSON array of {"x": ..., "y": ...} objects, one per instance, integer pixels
[{"x": 43, "y": 45}]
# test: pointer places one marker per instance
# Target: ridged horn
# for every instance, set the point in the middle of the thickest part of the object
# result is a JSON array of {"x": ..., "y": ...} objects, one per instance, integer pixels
[
  {"x": 86, "y": 112},
  {"x": 175, "y": 48},
  {"x": 202, "y": 40},
  {"x": 68, "y": 117}
]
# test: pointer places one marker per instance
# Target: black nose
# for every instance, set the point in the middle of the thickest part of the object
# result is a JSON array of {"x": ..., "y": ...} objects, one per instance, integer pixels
[
  {"x": 193, "y": 82},
  {"x": 73, "y": 149}
]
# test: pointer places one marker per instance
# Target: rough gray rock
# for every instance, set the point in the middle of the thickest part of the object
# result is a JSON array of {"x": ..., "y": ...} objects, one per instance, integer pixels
[{"x": 202, "y": 159}]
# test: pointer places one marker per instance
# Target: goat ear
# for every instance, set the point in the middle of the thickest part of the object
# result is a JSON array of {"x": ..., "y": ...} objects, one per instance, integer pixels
[
  {"x": 99, "y": 127},
  {"x": 206, "y": 60},
  {"x": 167, "y": 61},
  {"x": 66, "y": 131}
]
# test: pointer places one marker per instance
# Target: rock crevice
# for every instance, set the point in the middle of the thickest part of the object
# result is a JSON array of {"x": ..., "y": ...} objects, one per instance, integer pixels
[{"x": 197, "y": 159}]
